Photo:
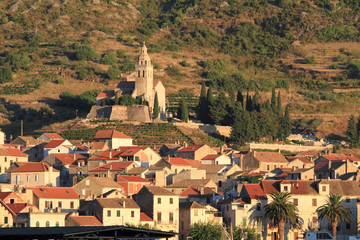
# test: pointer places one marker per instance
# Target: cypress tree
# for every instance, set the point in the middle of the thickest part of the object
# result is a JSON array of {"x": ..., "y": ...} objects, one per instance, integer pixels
[
  {"x": 249, "y": 104},
  {"x": 240, "y": 98},
  {"x": 240, "y": 130},
  {"x": 203, "y": 91},
  {"x": 351, "y": 131},
  {"x": 256, "y": 98},
  {"x": 184, "y": 114},
  {"x": 156, "y": 107},
  {"x": 284, "y": 129},
  {"x": 273, "y": 101},
  {"x": 278, "y": 106},
  {"x": 218, "y": 110},
  {"x": 202, "y": 108},
  {"x": 358, "y": 131},
  {"x": 210, "y": 97}
]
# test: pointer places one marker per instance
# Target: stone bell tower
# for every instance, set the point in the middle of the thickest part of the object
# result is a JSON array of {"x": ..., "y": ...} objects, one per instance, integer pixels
[{"x": 144, "y": 82}]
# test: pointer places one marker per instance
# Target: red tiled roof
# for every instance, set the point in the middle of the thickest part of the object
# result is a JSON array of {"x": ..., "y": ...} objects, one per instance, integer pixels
[
  {"x": 115, "y": 166},
  {"x": 270, "y": 157},
  {"x": 129, "y": 178},
  {"x": 194, "y": 163},
  {"x": 12, "y": 152},
  {"x": 315, "y": 154},
  {"x": 211, "y": 157},
  {"x": 145, "y": 218},
  {"x": 178, "y": 161},
  {"x": 255, "y": 191},
  {"x": 303, "y": 159},
  {"x": 190, "y": 148},
  {"x": 86, "y": 220},
  {"x": 53, "y": 136},
  {"x": 107, "y": 134},
  {"x": 97, "y": 145},
  {"x": 106, "y": 94},
  {"x": 69, "y": 158},
  {"x": 33, "y": 167},
  {"x": 55, "y": 192},
  {"x": 54, "y": 143},
  {"x": 106, "y": 156},
  {"x": 320, "y": 165},
  {"x": 281, "y": 175},
  {"x": 155, "y": 83},
  {"x": 297, "y": 187},
  {"x": 82, "y": 148},
  {"x": 3, "y": 195},
  {"x": 341, "y": 158},
  {"x": 130, "y": 152},
  {"x": 270, "y": 186},
  {"x": 18, "y": 207},
  {"x": 189, "y": 191},
  {"x": 252, "y": 174}
]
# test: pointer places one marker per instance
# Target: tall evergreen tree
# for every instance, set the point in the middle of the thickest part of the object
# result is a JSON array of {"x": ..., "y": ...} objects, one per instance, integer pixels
[
  {"x": 183, "y": 111},
  {"x": 249, "y": 104},
  {"x": 284, "y": 129},
  {"x": 210, "y": 97},
  {"x": 358, "y": 131},
  {"x": 156, "y": 107},
  {"x": 218, "y": 109},
  {"x": 240, "y": 98},
  {"x": 256, "y": 99},
  {"x": 241, "y": 128},
  {"x": 278, "y": 104},
  {"x": 273, "y": 101},
  {"x": 202, "y": 108},
  {"x": 352, "y": 131},
  {"x": 232, "y": 99}
]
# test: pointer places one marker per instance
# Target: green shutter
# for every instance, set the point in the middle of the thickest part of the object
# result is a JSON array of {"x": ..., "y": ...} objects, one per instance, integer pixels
[{"x": 6, "y": 220}]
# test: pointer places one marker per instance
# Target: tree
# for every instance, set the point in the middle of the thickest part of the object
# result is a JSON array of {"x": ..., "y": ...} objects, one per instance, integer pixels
[
  {"x": 156, "y": 107},
  {"x": 334, "y": 210},
  {"x": 240, "y": 233},
  {"x": 206, "y": 231},
  {"x": 183, "y": 111},
  {"x": 256, "y": 99},
  {"x": 278, "y": 106},
  {"x": 202, "y": 107},
  {"x": 113, "y": 73},
  {"x": 241, "y": 128},
  {"x": 109, "y": 59},
  {"x": 248, "y": 104},
  {"x": 285, "y": 126},
  {"x": 84, "y": 52},
  {"x": 352, "y": 131},
  {"x": 281, "y": 210},
  {"x": 240, "y": 98},
  {"x": 218, "y": 109},
  {"x": 6, "y": 75},
  {"x": 273, "y": 101},
  {"x": 210, "y": 97}
]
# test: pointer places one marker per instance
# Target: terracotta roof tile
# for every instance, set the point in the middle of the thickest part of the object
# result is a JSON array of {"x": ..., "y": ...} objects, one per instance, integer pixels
[
  {"x": 190, "y": 148},
  {"x": 303, "y": 159},
  {"x": 270, "y": 186},
  {"x": 145, "y": 218},
  {"x": 106, "y": 94},
  {"x": 97, "y": 145},
  {"x": 18, "y": 207},
  {"x": 297, "y": 187},
  {"x": 86, "y": 220},
  {"x": 115, "y": 166},
  {"x": 104, "y": 182},
  {"x": 270, "y": 157},
  {"x": 115, "y": 155},
  {"x": 130, "y": 152},
  {"x": 194, "y": 163},
  {"x": 107, "y": 134},
  {"x": 129, "y": 178},
  {"x": 190, "y": 183},
  {"x": 255, "y": 191},
  {"x": 117, "y": 203},
  {"x": 3, "y": 195},
  {"x": 193, "y": 191},
  {"x": 55, "y": 192},
  {"x": 33, "y": 167},
  {"x": 211, "y": 157},
  {"x": 189, "y": 205},
  {"x": 178, "y": 161},
  {"x": 53, "y": 136},
  {"x": 212, "y": 168},
  {"x": 12, "y": 152},
  {"x": 54, "y": 143},
  {"x": 69, "y": 158},
  {"x": 156, "y": 190}
]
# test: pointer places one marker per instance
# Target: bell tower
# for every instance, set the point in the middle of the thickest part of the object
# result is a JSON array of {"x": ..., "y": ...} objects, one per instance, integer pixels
[{"x": 144, "y": 83}]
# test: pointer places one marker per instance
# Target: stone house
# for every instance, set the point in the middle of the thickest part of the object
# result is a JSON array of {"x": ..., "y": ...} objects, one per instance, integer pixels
[
  {"x": 115, "y": 139},
  {"x": 302, "y": 174},
  {"x": 189, "y": 174},
  {"x": 115, "y": 211},
  {"x": 202, "y": 195},
  {"x": 58, "y": 146},
  {"x": 179, "y": 187},
  {"x": 160, "y": 205},
  {"x": 35, "y": 174},
  {"x": 7, "y": 157},
  {"x": 29, "y": 145},
  {"x": 159, "y": 176},
  {"x": 6, "y": 215},
  {"x": 112, "y": 169},
  {"x": 131, "y": 184},
  {"x": 91, "y": 187},
  {"x": 74, "y": 220},
  {"x": 151, "y": 157},
  {"x": 50, "y": 136},
  {"x": 299, "y": 162},
  {"x": 194, "y": 152},
  {"x": 264, "y": 161},
  {"x": 216, "y": 159}
]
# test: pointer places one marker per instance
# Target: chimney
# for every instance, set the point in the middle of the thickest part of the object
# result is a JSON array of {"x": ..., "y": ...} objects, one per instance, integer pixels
[
  {"x": 50, "y": 169},
  {"x": 110, "y": 167},
  {"x": 221, "y": 149},
  {"x": 110, "y": 154},
  {"x": 279, "y": 151},
  {"x": 74, "y": 156},
  {"x": 254, "y": 153},
  {"x": 242, "y": 161},
  {"x": 185, "y": 144}
]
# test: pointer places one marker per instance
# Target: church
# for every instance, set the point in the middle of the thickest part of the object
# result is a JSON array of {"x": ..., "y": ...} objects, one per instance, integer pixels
[{"x": 140, "y": 84}]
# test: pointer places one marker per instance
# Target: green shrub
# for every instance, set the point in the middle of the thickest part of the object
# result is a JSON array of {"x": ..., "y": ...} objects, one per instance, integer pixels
[
  {"x": 120, "y": 37},
  {"x": 184, "y": 63},
  {"x": 334, "y": 66},
  {"x": 129, "y": 41},
  {"x": 84, "y": 52},
  {"x": 59, "y": 81},
  {"x": 173, "y": 71},
  {"x": 2, "y": 109},
  {"x": 336, "y": 33},
  {"x": 341, "y": 58},
  {"x": 6, "y": 75},
  {"x": 109, "y": 59},
  {"x": 113, "y": 73},
  {"x": 310, "y": 60}
]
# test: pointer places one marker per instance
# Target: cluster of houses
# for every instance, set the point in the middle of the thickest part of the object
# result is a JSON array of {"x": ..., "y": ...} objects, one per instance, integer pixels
[{"x": 49, "y": 182}]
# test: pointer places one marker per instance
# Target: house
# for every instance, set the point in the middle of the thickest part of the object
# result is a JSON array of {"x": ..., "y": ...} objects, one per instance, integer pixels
[
  {"x": 112, "y": 169},
  {"x": 115, "y": 211},
  {"x": 302, "y": 174},
  {"x": 90, "y": 187},
  {"x": 194, "y": 152},
  {"x": 169, "y": 149},
  {"x": 216, "y": 159},
  {"x": 131, "y": 184},
  {"x": 330, "y": 158},
  {"x": 73, "y": 220},
  {"x": 114, "y": 138},
  {"x": 337, "y": 169},
  {"x": 58, "y": 146},
  {"x": 179, "y": 187},
  {"x": 160, "y": 176},
  {"x": 28, "y": 145},
  {"x": 202, "y": 195},
  {"x": 160, "y": 205},
  {"x": 104, "y": 95},
  {"x": 10, "y": 197},
  {"x": 7, "y": 157},
  {"x": 151, "y": 158},
  {"x": 6, "y": 215},
  {"x": 264, "y": 161},
  {"x": 146, "y": 221},
  {"x": 238, "y": 157},
  {"x": 35, "y": 174},
  {"x": 46, "y": 219},
  {"x": 136, "y": 155},
  {"x": 189, "y": 174},
  {"x": 193, "y": 212},
  {"x": 50, "y": 136},
  {"x": 299, "y": 162},
  {"x": 176, "y": 165},
  {"x": 104, "y": 158},
  {"x": 97, "y": 147},
  {"x": 22, "y": 211},
  {"x": 51, "y": 199}
]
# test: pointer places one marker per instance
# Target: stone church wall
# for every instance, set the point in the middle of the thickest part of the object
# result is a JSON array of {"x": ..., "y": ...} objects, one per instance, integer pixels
[{"x": 127, "y": 113}]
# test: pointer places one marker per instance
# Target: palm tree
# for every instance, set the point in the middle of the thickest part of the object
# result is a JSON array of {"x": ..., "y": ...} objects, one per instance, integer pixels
[
  {"x": 334, "y": 211},
  {"x": 280, "y": 210}
]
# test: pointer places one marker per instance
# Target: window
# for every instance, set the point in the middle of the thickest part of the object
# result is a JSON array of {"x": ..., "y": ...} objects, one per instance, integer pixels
[
  {"x": 144, "y": 73},
  {"x": 145, "y": 62},
  {"x": 208, "y": 200},
  {"x": 324, "y": 188},
  {"x": 182, "y": 225},
  {"x": 347, "y": 200},
  {"x": 57, "y": 224},
  {"x": 71, "y": 204},
  {"x": 118, "y": 213},
  {"x": 196, "y": 213},
  {"x": 47, "y": 224},
  {"x": 314, "y": 220},
  {"x": 244, "y": 222},
  {"x": 314, "y": 202},
  {"x": 171, "y": 217},
  {"x": 227, "y": 208},
  {"x": 28, "y": 178},
  {"x": 348, "y": 226},
  {"x": 37, "y": 224},
  {"x": 296, "y": 202},
  {"x": 82, "y": 192},
  {"x": 138, "y": 73},
  {"x": 17, "y": 179},
  {"x": 109, "y": 213},
  {"x": 36, "y": 177},
  {"x": 220, "y": 183},
  {"x": 6, "y": 220},
  {"x": 132, "y": 214},
  {"x": 286, "y": 188},
  {"x": 59, "y": 204},
  {"x": 159, "y": 200},
  {"x": 46, "y": 204},
  {"x": 5, "y": 159},
  {"x": 159, "y": 217},
  {"x": 268, "y": 167},
  {"x": 12, "y": 200},
  {"x": 171, "y": 200}
]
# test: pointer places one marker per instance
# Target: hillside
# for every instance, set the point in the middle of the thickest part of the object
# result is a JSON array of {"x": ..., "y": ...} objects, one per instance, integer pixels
[{"x": 306, "y": 48}]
